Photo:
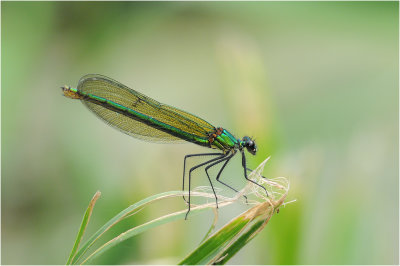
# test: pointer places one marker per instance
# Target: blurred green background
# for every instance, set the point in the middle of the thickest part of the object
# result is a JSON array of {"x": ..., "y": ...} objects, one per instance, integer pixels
[{"x": 315, "y": 82}]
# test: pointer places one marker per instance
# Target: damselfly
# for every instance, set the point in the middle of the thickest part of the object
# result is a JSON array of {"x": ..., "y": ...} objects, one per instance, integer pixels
[{"x": 140, "y": 116}]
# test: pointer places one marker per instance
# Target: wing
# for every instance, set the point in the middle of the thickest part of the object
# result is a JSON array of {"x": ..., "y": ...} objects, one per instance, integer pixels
[{"x": 114, "y": 91}]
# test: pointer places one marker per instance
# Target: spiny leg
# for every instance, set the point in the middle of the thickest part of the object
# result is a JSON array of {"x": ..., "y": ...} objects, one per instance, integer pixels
[
  {"x": 245, "y": 173},
  {"x": 220, "y": 172},
  {"x": 219, "y": 175},
  {"x": 248, "y": 169},
  {"x": 190, "y": 177},
  {"x": 213, "y": 164},
  {"x": 184, "y": 167}
]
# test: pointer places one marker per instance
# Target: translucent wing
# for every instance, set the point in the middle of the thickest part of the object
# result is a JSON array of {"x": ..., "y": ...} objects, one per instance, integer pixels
[{"x": 114, "y": 91}]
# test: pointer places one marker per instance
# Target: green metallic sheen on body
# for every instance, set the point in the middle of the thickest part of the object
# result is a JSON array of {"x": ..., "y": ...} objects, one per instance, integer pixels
[
  {"x": 225, "y": 141},
  {"x": 142, "y": 117}
]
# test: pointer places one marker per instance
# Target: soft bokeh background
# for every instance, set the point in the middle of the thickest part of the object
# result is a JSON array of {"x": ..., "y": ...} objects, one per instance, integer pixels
[{"x": 315, "y": 82}]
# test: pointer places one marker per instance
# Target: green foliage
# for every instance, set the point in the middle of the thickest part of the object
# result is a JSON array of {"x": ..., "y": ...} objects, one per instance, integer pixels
[
  {"x": 316, "y": 83},
  {"x": 131, "y": 210},
  {"x": 225, "y": 243},
  {"x": 85, "y": 221},
  {"x": 216, "y": 249}
]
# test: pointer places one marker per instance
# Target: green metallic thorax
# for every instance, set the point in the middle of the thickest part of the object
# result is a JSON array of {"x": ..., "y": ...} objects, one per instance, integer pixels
[{"x": 226, "y": 141}]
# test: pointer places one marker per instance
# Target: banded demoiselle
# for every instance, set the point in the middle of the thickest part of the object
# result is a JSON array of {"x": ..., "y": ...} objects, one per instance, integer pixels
[{"x": 139, "y": 116}]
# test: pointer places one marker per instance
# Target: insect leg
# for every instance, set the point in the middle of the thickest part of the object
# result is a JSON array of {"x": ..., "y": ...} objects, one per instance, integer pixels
[
  {"x": 245, "y": 173},
  {"x": 190, "y": 177},
  {"x": 213, "y": 164},
  {"x": 184, "y": 167},
  {"x": 220, "y": 172},
  {"x": 248, "y": 169}
]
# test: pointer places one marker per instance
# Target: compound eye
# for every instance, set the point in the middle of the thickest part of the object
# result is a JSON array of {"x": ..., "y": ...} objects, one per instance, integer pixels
[{"x": 251, "y": 147}]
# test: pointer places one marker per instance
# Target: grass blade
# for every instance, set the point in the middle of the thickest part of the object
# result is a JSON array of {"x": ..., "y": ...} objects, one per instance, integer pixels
[
  {"x": 212, "y": 246},
  {"x": 82, "y": 228},
  {"x": 218, "y": 248},
  {"x": 226, "y": 242},
  {"x": 258, "y": 222},
  {"x": 144, "y": 227},
  {"x": 119, "y": 217},
  {"x": 237, "y": 245},
  {"x": 133, "y": 209}
]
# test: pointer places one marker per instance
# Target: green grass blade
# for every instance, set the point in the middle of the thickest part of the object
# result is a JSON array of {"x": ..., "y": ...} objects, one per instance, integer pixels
[
  {"x": 214, "y": 245},
  {"x": 257, "y": 226},
  {"x": 144, "y": 227},
  {"x": 248, "y": 234},
  {"x": 237, "y": 245},
  {"x": 226, "y": 242},
  {"x": 85, "y": 221},
  {"x": 212, "y": 226},
  {"x": 120, "y": 216},
  {"x": 131, "y": 210},
  {"x": 220, "y": 247}
]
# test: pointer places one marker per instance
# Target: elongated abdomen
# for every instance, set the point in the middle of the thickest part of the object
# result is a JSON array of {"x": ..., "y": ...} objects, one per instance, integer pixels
[{"x": 132, "y": 122}]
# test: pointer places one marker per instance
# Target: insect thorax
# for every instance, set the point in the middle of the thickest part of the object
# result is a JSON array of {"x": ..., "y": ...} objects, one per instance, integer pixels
[{"x": 223, "y": 140}]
